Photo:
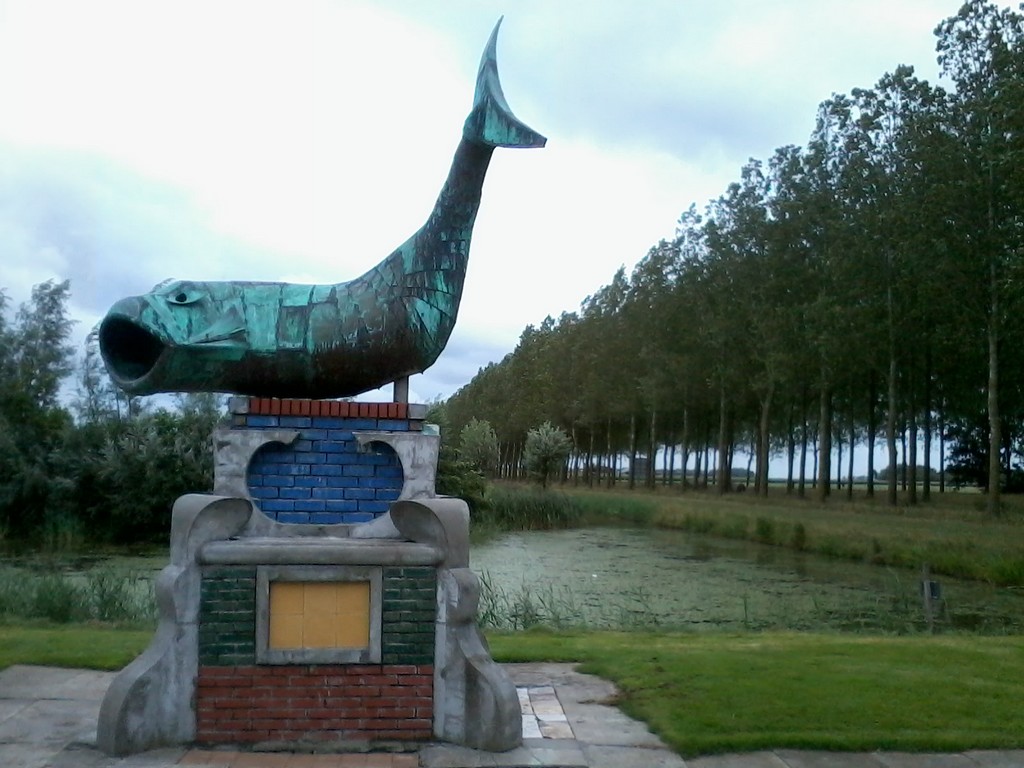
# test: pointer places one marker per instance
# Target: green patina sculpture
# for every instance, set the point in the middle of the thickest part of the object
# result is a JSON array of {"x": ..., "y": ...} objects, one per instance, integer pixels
[{"x": 318, "y": 341}]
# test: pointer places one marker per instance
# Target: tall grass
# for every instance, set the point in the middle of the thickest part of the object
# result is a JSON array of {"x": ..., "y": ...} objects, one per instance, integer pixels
[
  {"x": 513, "y": 508},
  {"x": 104, "y": 595},
  {"x": 949, "y": 535},
  {"x": 544, "y": 605}
]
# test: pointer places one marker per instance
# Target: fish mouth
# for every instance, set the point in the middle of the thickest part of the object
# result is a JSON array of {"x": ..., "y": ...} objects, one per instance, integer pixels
[{"x": 130, "y": 351}]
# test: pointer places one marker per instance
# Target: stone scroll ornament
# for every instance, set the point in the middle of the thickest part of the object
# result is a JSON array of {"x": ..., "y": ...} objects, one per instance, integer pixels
[{"x": 321, "y": 341}]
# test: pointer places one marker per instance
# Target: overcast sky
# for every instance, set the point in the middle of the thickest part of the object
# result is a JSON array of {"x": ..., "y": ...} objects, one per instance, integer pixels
[{"x": 303, "y": 140}]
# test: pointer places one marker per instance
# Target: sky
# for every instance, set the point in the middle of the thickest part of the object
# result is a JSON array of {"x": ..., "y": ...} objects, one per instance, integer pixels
[{"x": 304, "y": 141}]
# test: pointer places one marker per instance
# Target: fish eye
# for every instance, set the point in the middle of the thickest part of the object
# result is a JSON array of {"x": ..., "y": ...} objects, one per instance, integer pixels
[{"x": 184, "y": 296}]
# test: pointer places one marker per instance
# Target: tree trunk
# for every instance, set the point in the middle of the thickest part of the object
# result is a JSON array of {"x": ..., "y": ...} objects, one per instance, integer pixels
[
  {"x": 730, "y": 454},
  {"x": 995, "y": 436},
  {"x": 824, "y": 442},
  {"x": 814, "y": 468},
  {"x": 926, "y": 491},
  {"x": 750, "y": 462},
  {"x": 890, "y": 492},
  {"x": 722, "y": 484},
  {"x": 839, "y": 461},
  {"x": 790, "y": 449},
  {"x": 668, "y": 475},
  {"x": 574, "y": 458},
  {"x": 684, "y": 445},
  {"x": 707, "y": 458},
  {"x": 590, "y": 460},
  {"x": 912, "y": 470},
  {"x": 849, "y": 471},
  {"x": 651, "y": 443},
  {"x": 942, "y": 447},
  {"x": 802, "y": 487},
  {"x": 632, "y": 451},
  {"x": 903, "y": 455},
  {"x": 890, "y": 435},
  {"x": 872, "y": 430},
  {"x": 763, "y": 443},
  {"x": 611, "y": 460}
]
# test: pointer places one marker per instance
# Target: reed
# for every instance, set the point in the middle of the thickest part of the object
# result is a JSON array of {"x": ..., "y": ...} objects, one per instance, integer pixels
[
  {"x": 511, "y": 508},
  {"x": 103, "y": 595},
  {"x": 952, "y": 537}
]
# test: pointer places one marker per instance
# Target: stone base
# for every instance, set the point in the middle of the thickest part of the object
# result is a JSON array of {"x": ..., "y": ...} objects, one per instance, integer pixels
[{"x": 426, "y": 672}]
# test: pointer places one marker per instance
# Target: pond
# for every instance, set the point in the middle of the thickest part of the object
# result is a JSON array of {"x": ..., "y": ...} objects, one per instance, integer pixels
[
  {"x": 649, "y": 578},
  {"x": 618, "y": 577}
]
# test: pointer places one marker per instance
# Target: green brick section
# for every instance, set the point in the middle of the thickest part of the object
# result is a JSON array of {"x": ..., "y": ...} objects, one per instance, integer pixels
[
  {"x": 227, "y": 617},
  {"x": 408, "y": 613}
]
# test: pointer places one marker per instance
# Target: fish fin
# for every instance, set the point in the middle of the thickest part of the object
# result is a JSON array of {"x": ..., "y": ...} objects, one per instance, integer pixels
[
  {"x": 230, "y": 328},
  {"x": 491, "y": 122}
]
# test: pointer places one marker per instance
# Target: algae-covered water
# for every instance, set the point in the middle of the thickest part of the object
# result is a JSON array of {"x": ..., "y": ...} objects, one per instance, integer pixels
[
  {"x": 648, "y": 577},
  {"x": 627, "y": 578}
]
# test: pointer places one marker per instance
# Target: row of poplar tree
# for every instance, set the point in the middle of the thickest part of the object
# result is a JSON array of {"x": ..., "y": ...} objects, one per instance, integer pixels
[{"x": 864, "y": 289}]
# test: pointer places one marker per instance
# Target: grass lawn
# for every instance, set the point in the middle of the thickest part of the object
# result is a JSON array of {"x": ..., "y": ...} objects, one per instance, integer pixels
[
  {"x": 79, "y": 646},
  {"x": 719, "y": 693}
]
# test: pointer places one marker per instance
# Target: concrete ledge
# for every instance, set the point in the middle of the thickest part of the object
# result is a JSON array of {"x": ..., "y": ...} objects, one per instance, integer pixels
[{"x": 318, "y": 551}]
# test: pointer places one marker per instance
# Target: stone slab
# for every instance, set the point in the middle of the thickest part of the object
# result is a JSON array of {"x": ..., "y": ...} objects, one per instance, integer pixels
[
  {"x": 923, "y": 760},
  {"x": 30, "y": 683},
  {"x": 11, "y": 707},
  {"x": 1011, "y": 758},
  {"x": 816, "y": 759},
  {"x": 49, "y": 722},
  {"x": 24, "y": 756},
  {"x": 629, "y": 757},
  {"x": 608, "y": 727},
  {"x": 745, "y": 760}
]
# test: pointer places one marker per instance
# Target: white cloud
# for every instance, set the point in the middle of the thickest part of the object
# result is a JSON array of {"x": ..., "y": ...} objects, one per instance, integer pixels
[{"x": 304, "y": 141}]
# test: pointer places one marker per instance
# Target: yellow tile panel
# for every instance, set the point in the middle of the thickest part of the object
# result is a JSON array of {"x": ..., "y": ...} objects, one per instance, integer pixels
[
  {"x": 320, "y": 631},
  {"x": 286, "y": 597},
  {"x": 319, "y": 614},
  {"x": 320, "y": 598},
  {"x": 285, "y": 630},
  {"x": 354, "y": 614}
]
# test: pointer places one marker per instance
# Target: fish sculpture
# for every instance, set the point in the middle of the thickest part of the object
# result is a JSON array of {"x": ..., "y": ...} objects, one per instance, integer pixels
[{"x": 321, "y": 341}]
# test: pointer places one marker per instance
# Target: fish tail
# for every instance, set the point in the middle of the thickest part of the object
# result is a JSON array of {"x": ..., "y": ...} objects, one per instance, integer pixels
[{"x": 491, "y": 122}]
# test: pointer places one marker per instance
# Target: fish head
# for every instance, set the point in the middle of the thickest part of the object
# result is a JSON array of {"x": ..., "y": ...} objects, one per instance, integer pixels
[{"x": 175, "y": 338}]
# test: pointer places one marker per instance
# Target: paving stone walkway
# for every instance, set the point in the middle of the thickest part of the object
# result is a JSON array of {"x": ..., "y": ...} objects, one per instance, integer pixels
[{"x": 48, "y": 720}]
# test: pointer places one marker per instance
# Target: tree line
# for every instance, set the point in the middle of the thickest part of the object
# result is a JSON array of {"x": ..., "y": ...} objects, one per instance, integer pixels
[
  {"x": 859, "y": 291},
  {"x": 89, "y": 463}
]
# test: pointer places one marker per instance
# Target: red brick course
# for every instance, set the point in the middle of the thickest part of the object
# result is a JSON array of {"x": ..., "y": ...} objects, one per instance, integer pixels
[
  {"x": 247, "y": 704},
  {"x": 272, "y": 406}
]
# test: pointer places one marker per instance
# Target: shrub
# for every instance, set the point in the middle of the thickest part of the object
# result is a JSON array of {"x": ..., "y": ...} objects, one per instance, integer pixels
[
  {"x": 545, "y": 451},
  {"x": 478, "y": 445}
]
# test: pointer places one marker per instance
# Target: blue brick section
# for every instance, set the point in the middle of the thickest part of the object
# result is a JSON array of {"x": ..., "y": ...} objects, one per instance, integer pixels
[{"x": 323, "y": 477}]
